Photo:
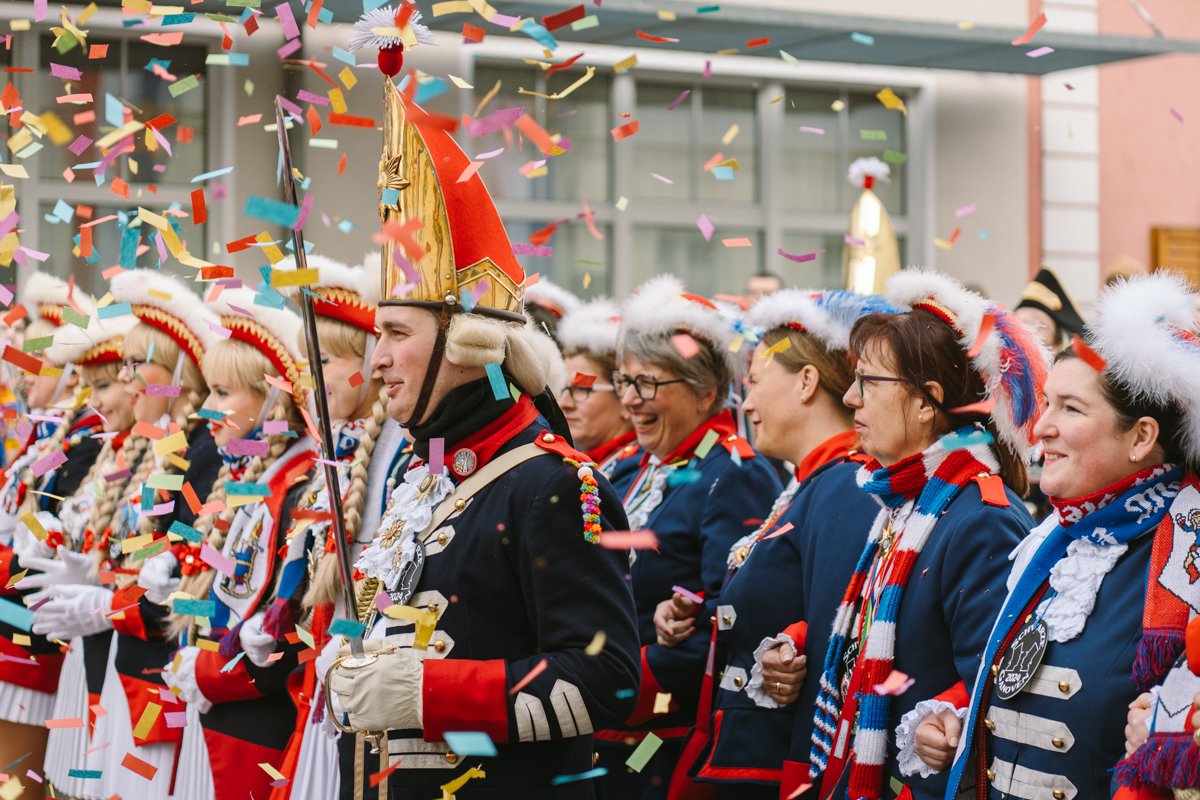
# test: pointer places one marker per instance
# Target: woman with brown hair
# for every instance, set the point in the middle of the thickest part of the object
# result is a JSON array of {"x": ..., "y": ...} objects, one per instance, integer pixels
[{"x": 945, "y": 397}]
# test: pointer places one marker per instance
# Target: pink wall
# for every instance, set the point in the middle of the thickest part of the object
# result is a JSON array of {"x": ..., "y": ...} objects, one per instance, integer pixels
[{"x": 1149, "y": 160}]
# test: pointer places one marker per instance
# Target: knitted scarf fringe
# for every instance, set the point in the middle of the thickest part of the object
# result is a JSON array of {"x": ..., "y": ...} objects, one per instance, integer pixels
[
  {"x": 1166, "y": 759},
  {"x": 1156, "y": 652}
]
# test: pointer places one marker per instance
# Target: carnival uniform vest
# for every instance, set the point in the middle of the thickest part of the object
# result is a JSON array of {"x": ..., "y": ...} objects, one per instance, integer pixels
[{"x": 519, "y": 591}]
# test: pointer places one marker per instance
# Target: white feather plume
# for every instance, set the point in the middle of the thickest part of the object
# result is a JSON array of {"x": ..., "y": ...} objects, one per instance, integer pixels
[
  {"x": 282, "y": 324},
  {"x": 361, "y": 280},
  {"x": 659, "y": 308},
  {"x": 134, "y": 286},
  {"x": 593, "y": 326},
  {"x": 385, "y": 18},
  {"x": 860, "y": 168},
  {"x": 1144, "y": 327}
]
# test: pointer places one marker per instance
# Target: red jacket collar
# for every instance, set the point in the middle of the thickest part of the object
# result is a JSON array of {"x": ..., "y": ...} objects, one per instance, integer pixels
[
  {"x": 601, "y": 454},
  {"x": 485, "y": 442},
  {"x": 837, "y": 446},
  {"x": 721, "y": 422}
]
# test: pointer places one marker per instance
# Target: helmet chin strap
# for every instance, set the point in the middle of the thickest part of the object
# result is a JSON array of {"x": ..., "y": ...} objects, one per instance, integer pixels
[
  {"x": 366, "y": 369},
  {"x": 267, "y": 407},
  {"x": 435, "y": 364}
]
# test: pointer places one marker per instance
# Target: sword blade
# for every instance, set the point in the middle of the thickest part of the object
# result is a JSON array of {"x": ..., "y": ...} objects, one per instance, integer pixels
[{"x": 323, "y": 423}]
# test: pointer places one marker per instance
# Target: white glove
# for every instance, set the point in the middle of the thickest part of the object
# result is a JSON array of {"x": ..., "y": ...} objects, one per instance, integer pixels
[
  {"x": 184, "y": 679},
  {"x": 26, "y": 545},
  {"x": 383, "y": 695},
  {"x": 69, "y": 568},
  {"x": 68, "y": 613},
  {"x": 156, "y": 579},
  {"x": 323, "y": 662},
  {"x": 258, "y": 645}
]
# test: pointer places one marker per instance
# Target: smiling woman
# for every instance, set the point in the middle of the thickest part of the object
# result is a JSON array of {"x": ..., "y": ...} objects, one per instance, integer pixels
[{"x": 675, "y": 372}]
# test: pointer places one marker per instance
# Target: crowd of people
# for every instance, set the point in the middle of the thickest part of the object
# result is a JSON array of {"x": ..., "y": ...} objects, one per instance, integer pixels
[{"x": 666, "y": 547}]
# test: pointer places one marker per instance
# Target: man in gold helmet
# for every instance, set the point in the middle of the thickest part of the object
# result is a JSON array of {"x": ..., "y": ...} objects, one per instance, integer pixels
[{"x": 492, "y": 607}]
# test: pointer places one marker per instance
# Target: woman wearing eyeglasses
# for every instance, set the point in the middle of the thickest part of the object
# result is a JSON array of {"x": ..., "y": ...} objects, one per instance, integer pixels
[
  {"x": 945, "y": 399},
  {"x": 699, "y": 488},
  {"x": 599, "y": 423}
]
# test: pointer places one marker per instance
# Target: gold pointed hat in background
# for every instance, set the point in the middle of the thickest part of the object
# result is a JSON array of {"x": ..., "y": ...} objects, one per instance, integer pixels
[
  {"x": 867, "y": 266},
  {"x": 453, "y": 247}
]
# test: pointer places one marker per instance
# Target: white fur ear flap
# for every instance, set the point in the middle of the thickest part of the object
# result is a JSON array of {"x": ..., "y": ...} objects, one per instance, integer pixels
[
  {"x": 474, "y": 340},
  {"x": 530, "y": 359}
]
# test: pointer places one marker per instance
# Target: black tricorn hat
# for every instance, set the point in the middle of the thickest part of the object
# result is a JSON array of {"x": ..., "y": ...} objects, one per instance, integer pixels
[{"x": 1046, "y": 294}]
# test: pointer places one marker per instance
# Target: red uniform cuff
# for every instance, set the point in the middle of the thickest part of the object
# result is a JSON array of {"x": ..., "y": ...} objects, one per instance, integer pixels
[
  {"x": 648, "y": 695},
  {"x": 799, "y": 633},
  {"x": 956, "y": 696},
  {"x": 6, "y": 559},
  {"x": 224, "y": 687},
  {"x": 129, "y": 621},
  {"x": 464, "y": 695}
]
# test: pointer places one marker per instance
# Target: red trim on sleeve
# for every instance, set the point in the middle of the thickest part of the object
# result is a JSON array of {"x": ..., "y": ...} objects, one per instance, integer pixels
[
  {"x": 225, "y": 687},
  {"x": 139, "y": 694},
  {"x": 465, "y": 695},
  {"x": 650, "y": 689},
  {"x": 799, "y": 633},
  {"x": 130, "y": 620},
  {"x": 956, "y": 695}
]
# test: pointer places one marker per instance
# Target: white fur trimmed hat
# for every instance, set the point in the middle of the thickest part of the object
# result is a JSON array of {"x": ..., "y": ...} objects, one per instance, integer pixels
[
  {"x": 166, "y": 303},
  {"x": 1145, "y": 328},
  {"x": 593, "y": 326},
  {"x": 46, "y": 295},
  {"x": 275, "y": 332},
  {"x": 552, "y": 297},
  {"x": 662, "y": 307},
  {"x": 351, "y": 294},
  {"x": 102, "y": 342},
  {"x": 827, "y": 315},
  {"x": 1011, "y": 357}
]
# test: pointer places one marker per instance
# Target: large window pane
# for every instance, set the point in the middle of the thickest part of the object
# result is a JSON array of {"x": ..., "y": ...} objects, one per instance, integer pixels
[
  {"x": 582, "y": 117},
  {"x": 502, "y": 173},
  {"x": 811, "y": 172},
  {"x": 664, "y": 145},
  {"x": 146, "y": 93},
  {"x": 824, "y": 271},
  {"x": 868, "y": 114},
  {"x": 578, "y": 258},
  {"x": 57, "y": 239},
  {"x": 724, "y": 108},
  {"x": 706, "y": 268}
]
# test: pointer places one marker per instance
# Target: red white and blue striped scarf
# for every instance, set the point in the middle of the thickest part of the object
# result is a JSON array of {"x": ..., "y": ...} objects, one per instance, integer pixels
[{"x": 932, "y": 479}]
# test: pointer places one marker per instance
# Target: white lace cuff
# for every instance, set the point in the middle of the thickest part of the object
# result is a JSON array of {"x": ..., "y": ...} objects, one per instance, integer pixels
[
  {"x": 184, "y": 679},
  {"x": 754, "y": 688},
  {"x": 906, "y": 735}
]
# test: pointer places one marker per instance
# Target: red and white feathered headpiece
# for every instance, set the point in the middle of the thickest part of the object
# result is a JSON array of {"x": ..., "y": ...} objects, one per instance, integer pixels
[
  {"x": 1145, "y": 328},
  {"x": 661, "y": 306},
  {"x": 593, "y": 327},
  {"x": 101, "y": 343},
  {"x": 1008, "y": 354},
  {"x": 166, "y": 303}
]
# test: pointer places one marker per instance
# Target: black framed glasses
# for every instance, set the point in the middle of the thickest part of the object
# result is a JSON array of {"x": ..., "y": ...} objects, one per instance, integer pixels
[
  {"x": 861, "y": 379},
  {"x": 646, "y": 386},
  {"x": 581, "y": 393}
]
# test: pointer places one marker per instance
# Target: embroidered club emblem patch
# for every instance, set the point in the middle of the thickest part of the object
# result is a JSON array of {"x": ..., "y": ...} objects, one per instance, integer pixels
[
  {"x": 1022, "y": 659},
  {"x": 464, "y": 463}
]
